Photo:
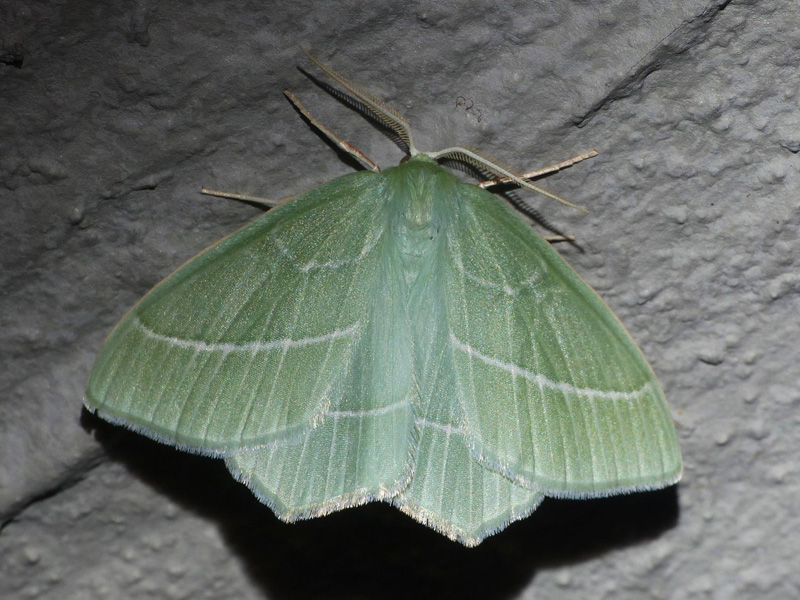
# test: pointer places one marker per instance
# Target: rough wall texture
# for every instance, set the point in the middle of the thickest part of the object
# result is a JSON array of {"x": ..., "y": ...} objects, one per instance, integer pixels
[{"x": 120, "y": 111}]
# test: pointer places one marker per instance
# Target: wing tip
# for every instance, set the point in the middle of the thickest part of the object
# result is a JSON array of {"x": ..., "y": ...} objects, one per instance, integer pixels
[{"x": 466, "y": 537}]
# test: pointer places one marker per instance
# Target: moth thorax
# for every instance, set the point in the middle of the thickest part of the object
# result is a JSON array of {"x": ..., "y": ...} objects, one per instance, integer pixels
[
  {"x": 416, "y": 226},
  {"x": 417, "y": 214},
  {"x": 418, "y": 208}
]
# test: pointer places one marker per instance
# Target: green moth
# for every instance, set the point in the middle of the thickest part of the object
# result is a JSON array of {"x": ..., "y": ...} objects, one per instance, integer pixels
[{"x": 399, "y": 336}]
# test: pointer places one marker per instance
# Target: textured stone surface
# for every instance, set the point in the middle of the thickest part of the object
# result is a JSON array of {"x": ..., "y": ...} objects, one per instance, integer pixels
[{"x": 121, "y": 111}]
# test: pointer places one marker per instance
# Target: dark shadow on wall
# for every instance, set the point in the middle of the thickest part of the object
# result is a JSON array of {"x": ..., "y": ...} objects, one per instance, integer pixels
[{"x": 375, "y": 551}]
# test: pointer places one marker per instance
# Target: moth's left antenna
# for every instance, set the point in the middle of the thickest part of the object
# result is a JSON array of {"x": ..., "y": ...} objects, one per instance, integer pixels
[{"x": 388, "y": 115}]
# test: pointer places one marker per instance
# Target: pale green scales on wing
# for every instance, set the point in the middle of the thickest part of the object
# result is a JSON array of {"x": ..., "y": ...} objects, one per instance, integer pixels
[{"x": 400, "y": 336}]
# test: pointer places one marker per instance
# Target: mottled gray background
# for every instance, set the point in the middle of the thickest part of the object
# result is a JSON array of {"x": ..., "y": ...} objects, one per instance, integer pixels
[{"x": 120, "y": 111}]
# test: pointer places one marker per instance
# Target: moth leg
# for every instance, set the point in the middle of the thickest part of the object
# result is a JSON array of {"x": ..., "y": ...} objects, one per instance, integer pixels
[
  {"x": 365, "y": 160},
  {"x": 268, "y": 202},
  {"x": 539, "y": 172}
]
